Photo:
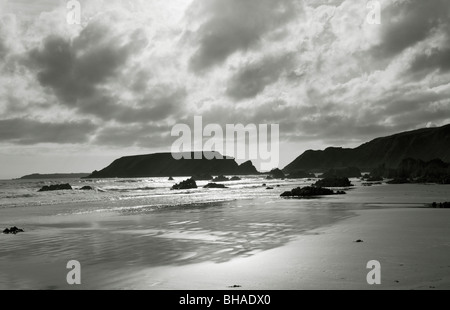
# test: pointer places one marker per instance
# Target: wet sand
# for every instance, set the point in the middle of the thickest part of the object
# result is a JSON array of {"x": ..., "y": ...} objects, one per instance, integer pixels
[
  {"x": 265, "y": 244},
  {"x": 412, "y": 246}
]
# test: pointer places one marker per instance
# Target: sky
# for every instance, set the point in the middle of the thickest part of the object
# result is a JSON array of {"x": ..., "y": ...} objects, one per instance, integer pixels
[{"x": 75, "y": 97}]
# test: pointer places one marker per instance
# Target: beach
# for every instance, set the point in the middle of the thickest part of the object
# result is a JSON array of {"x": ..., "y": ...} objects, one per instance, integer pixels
[
  {"x": 250, "y": 242},
  {"x": 414, "y": 255}
]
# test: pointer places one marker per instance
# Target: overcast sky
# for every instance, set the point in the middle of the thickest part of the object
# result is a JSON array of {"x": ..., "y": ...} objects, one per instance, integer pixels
[{"x": 75, "y": 97}]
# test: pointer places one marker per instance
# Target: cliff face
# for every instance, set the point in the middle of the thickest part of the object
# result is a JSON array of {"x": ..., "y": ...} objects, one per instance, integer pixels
[
  {"x": 418, "y": 171},
  {"x": 424, "y": 144},
  {"x": 164, "y": 165}
]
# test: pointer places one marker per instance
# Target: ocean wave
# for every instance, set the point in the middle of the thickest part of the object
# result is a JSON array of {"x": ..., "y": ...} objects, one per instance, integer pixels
[
  {"x": 18, "y": 196},
  {"x": 118, "y": 189}
]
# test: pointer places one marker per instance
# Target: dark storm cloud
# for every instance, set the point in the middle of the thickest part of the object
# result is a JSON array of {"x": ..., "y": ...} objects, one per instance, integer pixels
[
  {"x": 236, "y": 25},
  {"x": 148, "y": 136},
  {"x": 3, "y": 49},
  {"x": 406, "y": 23},
  {"x": 26, "y": 131},
  {"x": 436, "y": 59},
  {"x": 82, "y": 72},
  {"x": 317, "y": 3},
  {"x": 252, "y": 79},
  {"x": 153, "y": 107}
]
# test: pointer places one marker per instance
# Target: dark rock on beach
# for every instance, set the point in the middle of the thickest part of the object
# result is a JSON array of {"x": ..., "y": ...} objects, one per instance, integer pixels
[
  {"x": 214, "y": 185},
  {"x": 235, "y": 179},
  {"x": 441, "y": 205},
  {"x": 187, "y": 184},
  {"x": 310, "y": 191},
  {"x": 58, "y": 187},
  {"x": 333, "y": 182},
  {"x": 87, "y": 188},
  {"x": 12, "y": 231}
]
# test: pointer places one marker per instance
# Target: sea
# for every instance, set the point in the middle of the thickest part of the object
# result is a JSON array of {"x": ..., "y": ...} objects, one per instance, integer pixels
[{"x": 141, "y": 223}]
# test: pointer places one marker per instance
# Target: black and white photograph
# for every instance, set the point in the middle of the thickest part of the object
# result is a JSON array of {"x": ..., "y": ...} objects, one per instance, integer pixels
[{"x": 224, "y": 145}]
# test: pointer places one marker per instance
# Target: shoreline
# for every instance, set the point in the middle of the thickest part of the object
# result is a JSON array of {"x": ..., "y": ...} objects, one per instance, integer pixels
[{"x": 414, "y": 255}]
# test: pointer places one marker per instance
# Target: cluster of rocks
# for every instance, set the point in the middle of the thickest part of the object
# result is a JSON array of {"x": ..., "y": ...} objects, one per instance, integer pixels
[
  {"x": 441, "y": 205},
  {"x": 333, "y": 182},
  {"x": 56, "y": 187},
  {"x": 186, "y": 184},
  {"x": 311, "y": 191},
  {"x": 372, "y": 178},
  {"x": 214, "y": 185},
  {"x": 276, "y": 174},
  {"x": 300, "y": 174},
  {"x": 347, "y": 172},
  {"x": 12, "y": 231},
  {"x": 63, "y": 187},
  {"x": 222, "y": 178}
]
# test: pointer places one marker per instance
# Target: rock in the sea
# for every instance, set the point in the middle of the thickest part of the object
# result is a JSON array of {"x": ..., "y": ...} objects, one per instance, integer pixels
[
  {"x": 214, "y": 185},
  {"x": 58, "y": 187},
  {"x": 333, "y": 182},
  {"x": 187, "y": 184},
  {"x": 348, "y": 172},
  {"x": 269, "y": 188},
  {"x": 12, "y": 231},
  {"x": 374, "y": 179},
  {"x": 359, "y": 241},
  {"x": 170, "y": 179},
  {"x": 221, "y": 178},
  {"x": 235, "y": 179},
  {"x": 277, "y": 174},
  {"x": 441, "y": 205},
  {"x": 310, "y": 191},
  {"x": 87, "y": 188}
]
